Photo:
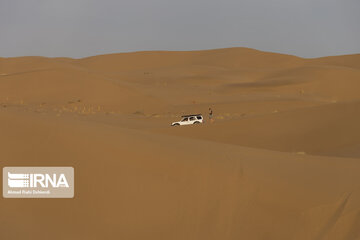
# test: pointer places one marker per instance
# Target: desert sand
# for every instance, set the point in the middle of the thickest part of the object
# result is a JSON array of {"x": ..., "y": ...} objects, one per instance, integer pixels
[{"x": 280, "y": 161}]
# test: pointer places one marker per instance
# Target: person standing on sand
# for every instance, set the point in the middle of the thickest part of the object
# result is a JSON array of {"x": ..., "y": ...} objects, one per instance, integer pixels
[{"x": 211, "y": 115}]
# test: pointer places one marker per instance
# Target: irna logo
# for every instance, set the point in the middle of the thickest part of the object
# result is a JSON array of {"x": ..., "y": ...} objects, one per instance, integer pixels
[
  {"x": 20, "y": 180},
  {"x": 38, "y": 182}
]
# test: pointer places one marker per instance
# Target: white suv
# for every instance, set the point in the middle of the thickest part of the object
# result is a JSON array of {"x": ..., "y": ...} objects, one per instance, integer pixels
[{"x": 189, "y": 119}]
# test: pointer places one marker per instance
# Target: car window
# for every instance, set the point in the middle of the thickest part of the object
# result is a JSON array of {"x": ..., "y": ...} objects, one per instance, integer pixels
[
  {"x": 199, "y": 117},
  {"x": 192, "y": 119},
  {"x": 184, "y": 119}
]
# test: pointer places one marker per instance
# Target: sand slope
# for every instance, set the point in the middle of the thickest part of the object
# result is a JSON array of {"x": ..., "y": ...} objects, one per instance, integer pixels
[
  {"x": 280, "y": 161},
  {"x": 331, "y": 129}
]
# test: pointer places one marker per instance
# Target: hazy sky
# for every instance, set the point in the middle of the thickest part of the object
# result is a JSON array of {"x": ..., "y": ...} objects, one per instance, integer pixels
[{"x": 78, "y": 28}]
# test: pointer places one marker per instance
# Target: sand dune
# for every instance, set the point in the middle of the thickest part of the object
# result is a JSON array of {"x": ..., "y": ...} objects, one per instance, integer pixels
[
  {"x": 330, "y": 129},
  {"x": 280, "y": 161}
]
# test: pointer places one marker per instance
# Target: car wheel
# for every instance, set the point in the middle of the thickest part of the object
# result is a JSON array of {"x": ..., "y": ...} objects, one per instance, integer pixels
[
  {"x": 176, "y": 124},
  {"x": 196, "y": 122}
]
